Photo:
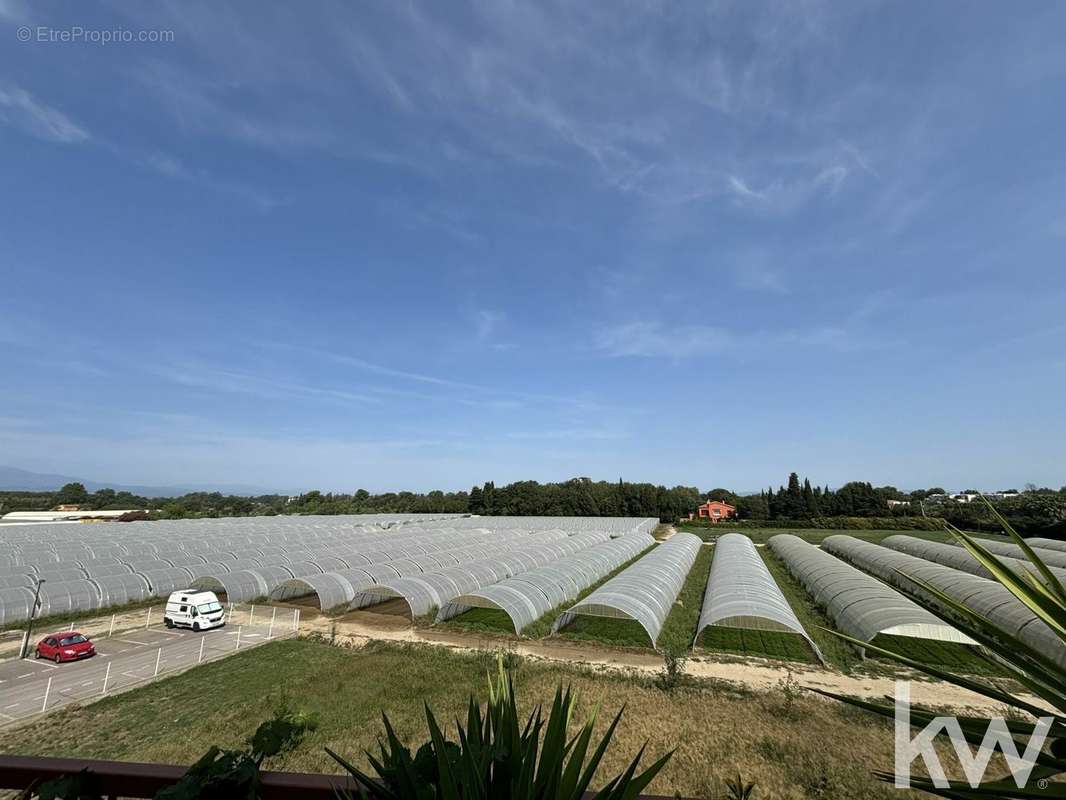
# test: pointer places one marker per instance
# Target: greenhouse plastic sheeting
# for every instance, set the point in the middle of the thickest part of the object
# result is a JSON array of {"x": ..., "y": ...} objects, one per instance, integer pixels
[
  {"x": 859, "y": 605},
  {"x": 960, "y": 558},
  {"x": 15, "y": 580},
  {"x": 1051, "y": 557},
  {"x": 1047, "y": 544},
  {"x": 211, "y": 548},
  {"x": 741, "y": 593},
  {"x": 422, "y": 593},
  {"x": 15, "y": 604},
  {"x": 332, "y": 589},
  {"x": 95, "y": 571},
  {"x": 118, "y": 590},
  {"x": 986, "y": 597},
  {"x": 239, "y": 587},
  {"x": 528, "y": 595},
  {"x": 54, "y": 575},
  {"x": 77, "y": 595},
  {"x": 645, "y": 591},
  {"x": 147, "y": 564},
  {"x": 162, "y": 582}
]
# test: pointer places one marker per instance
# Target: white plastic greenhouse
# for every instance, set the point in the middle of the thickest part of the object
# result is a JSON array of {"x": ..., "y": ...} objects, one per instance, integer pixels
[
  {"x": 645, "y": 591},
  {"x": 960, "y": 558},
  {"x": 987, "y": 597},
  {"x": 1051, "y": 557},
  {"x": 742, "y": 594},
  {"x": 858, "y": 604},
  {"x": 331, "y": 559},
  {"x": 526, "y": 596}
]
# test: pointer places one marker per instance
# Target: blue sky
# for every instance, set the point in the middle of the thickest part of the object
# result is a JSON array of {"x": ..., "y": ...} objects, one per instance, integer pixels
[{"x": 413, "y": 245}]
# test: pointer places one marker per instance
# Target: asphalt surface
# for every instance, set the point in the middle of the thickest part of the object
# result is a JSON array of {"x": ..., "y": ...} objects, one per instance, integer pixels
[{"x": 127, "y": 659}]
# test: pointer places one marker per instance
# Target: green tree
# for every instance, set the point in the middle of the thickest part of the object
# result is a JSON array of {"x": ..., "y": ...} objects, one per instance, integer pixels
[{"x": 72, "y": 493}]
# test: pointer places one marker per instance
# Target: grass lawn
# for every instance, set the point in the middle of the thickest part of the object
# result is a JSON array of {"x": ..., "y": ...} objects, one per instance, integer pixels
[
  {"x": 952, "y": 656},
  {"x": 482, "y": 620},
  {"x": 793, "y": 746},
  {"x": 772, "y": 644}
]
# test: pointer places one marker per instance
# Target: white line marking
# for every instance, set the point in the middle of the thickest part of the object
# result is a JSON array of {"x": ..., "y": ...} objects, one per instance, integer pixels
[
  {"x": 27, "y": 675},
  {"x": 2, "y": 714},
  {"x": 131, "y": 641},
  {"x": 12, "y": 706}
]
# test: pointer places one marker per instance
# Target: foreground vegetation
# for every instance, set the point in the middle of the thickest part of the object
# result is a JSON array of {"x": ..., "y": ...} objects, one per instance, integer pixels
[{"x": 776, "y": 739}]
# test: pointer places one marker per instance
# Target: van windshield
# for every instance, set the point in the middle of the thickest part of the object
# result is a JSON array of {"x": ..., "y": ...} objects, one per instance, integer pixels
[{"x": 209, "y": 608}]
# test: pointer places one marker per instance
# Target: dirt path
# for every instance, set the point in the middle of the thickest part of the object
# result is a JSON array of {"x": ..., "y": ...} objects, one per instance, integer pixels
[{"x": 753, "y": 673}]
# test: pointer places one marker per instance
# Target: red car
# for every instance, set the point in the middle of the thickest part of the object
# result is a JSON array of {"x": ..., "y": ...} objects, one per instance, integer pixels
[{"x": 69, "y": 646}]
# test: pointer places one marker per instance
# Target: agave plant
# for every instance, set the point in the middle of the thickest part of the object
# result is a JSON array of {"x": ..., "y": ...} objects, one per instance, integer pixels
[
  {"x": 1041, "y": 591},
  {"x": 499, "y": 756}
]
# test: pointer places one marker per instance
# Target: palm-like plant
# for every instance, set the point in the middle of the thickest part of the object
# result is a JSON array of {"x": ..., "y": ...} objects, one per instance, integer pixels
[
  {"x": 499, "y": 756},
  {"x": 1035, "y": 671}
]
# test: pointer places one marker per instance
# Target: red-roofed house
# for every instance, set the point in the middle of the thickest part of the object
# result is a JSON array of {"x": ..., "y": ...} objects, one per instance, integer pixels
[{"x": 716, "y": 510}]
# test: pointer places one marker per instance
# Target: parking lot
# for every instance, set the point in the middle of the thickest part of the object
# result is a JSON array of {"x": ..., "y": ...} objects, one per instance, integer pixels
[{"x": 29, "y": 687}]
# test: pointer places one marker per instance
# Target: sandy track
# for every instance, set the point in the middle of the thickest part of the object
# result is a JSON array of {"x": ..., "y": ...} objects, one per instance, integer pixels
[{"x": 754, "y": 673}]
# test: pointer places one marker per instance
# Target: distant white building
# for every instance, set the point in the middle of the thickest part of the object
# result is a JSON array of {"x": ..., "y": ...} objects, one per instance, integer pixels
[{"x": 62, "y": 516}]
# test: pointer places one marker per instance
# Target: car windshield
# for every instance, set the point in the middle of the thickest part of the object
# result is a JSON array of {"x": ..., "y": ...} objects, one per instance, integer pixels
[
  {"x": 77, "y": 638},
  {"x": 209, "y": 608}
]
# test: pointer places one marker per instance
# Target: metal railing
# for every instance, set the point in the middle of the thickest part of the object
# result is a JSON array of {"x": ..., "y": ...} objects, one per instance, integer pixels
[{"x": 127, "y": 779}]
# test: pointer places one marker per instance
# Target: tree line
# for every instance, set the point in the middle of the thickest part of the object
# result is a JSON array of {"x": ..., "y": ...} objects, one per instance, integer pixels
[{"x": 797, "y": 502}]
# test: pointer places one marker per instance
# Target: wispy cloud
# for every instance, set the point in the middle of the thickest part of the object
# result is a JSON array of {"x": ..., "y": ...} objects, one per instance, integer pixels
[
  {"x": 172, "y": 167},
  {"x": 212, "y": 379},
  {"x": 655, "y": 340},
  {"x": 20, "y": 109},
  {"x": 567, "y": 434},
  {"x": 782, "y": 195},
  {"x": 576, "y": 400}
]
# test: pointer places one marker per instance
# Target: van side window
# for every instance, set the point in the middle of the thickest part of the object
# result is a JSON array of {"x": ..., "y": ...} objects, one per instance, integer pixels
[{"x": 183, "y": 609}]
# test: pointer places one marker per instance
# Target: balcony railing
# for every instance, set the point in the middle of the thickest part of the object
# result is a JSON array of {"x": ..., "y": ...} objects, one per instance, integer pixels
[
  {"x": 129, "y": 779},
  {"x": 126, "y": 779}
]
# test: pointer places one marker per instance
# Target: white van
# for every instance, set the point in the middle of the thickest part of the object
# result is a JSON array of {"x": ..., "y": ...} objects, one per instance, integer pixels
[{"x": 191, "y": 609}]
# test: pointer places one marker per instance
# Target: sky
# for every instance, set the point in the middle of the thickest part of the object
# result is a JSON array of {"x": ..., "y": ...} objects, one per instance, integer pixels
[{"x": 423, "y": 245}]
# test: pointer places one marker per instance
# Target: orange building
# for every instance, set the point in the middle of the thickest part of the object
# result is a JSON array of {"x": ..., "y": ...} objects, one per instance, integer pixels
[{"x": 716, "y": 510}]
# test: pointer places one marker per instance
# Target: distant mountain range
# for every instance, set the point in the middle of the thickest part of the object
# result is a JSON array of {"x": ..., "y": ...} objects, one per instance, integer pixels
[{"x": 13, "y": 479}]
